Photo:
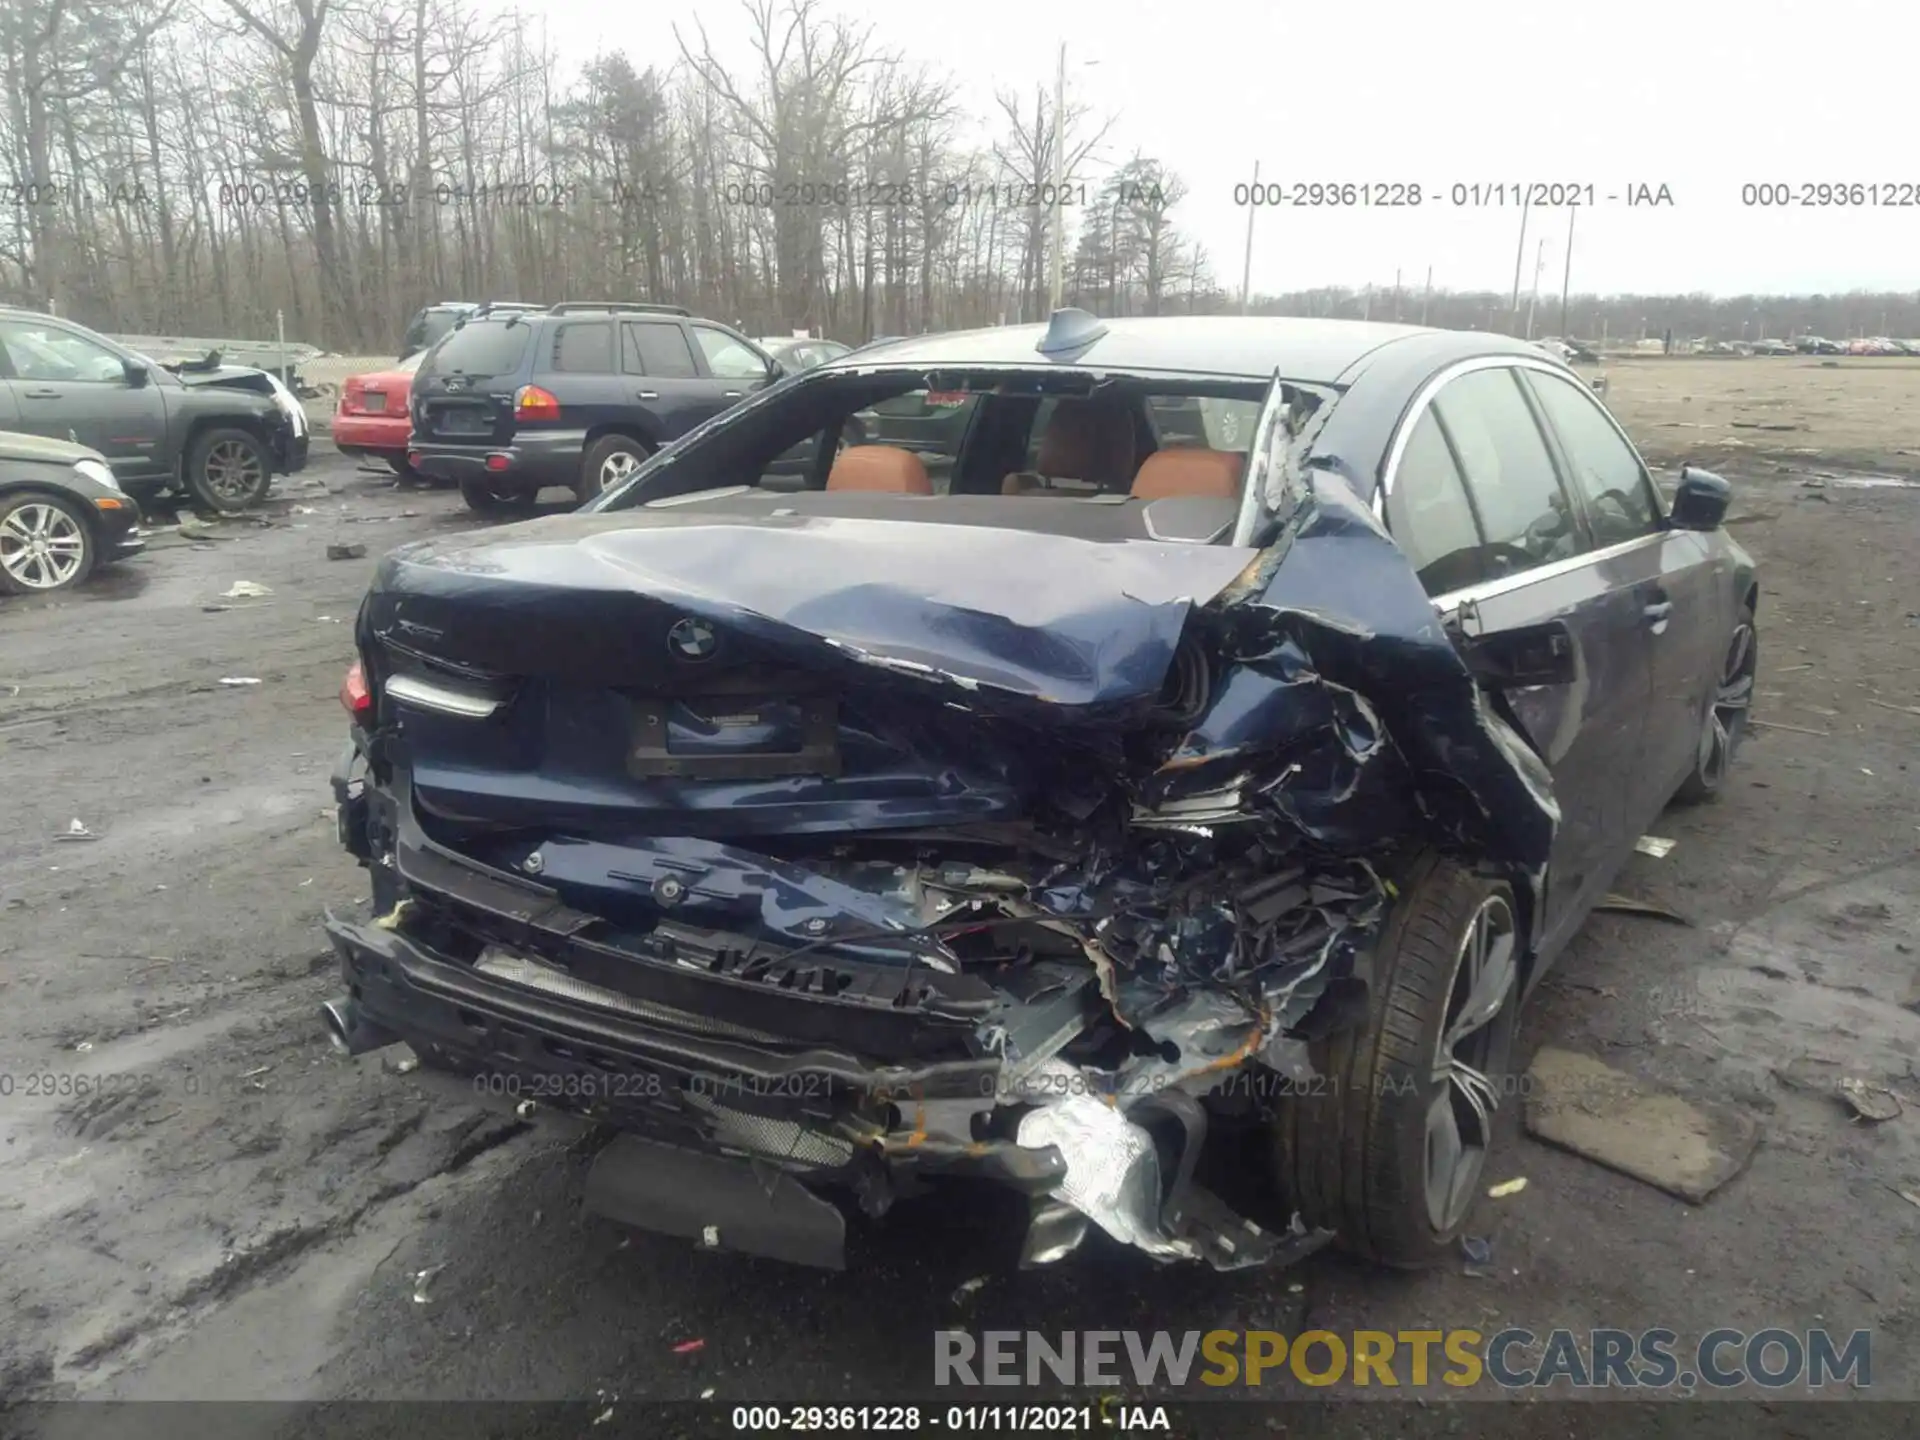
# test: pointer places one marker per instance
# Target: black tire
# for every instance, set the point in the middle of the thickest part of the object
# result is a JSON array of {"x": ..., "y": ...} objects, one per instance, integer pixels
[
  {"x": 607, "y": 462},
  {"x": 404, "y": 475},
  {"x": 46, "y": 543},
  {"x": 1352, "y": 1149},
  {"x": 228, "y": 470},
  {"x": 502, "y": 503},
  {"x": 1724, "y": 724}
]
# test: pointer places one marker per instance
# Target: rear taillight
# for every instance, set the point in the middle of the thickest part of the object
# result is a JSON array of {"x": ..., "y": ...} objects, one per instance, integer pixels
[
  {"x": 350, "y": 394},
  {"x": 354, "y": 694},
  {"x": 530, "y": 402}
]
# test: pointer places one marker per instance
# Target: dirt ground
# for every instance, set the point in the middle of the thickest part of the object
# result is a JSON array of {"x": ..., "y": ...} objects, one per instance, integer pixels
[{"x": 237, "y": 1212}]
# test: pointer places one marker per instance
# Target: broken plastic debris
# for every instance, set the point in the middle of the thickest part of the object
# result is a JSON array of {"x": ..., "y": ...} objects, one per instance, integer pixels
[
  {"x": 967, "y": 1287},
  {"x": 239, "y": 680},
  {"x": 707, "y": 1394},
  {"x": 1478, "y": 1252},
  {"x": 83, "y": 1047},
  {"x": 1627, "y": 905},
  {"x": 1655, "y": 846},
  {"x": 524, "y": 1110},
  {"x": 604, "y": 1416},
  {"x": 689, "y": 1347},
  {"x": 1507, "y": 1187},
  {"x": 1869, "y": 1102},
  {"x": 76, "y": 830},
  {"x": 710, "y": 1236},
  {"x": 346, "y": 552},
  {"x": 420, "y": 1278},
  {"x": 244, "y": 590}
]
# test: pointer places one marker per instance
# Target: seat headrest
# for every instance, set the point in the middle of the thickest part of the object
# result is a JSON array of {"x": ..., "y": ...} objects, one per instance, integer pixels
[
  {"x": 1208, "y": 474},
  {"x": 1087, "y": 440},
  {"x": 886, "y": 469}
]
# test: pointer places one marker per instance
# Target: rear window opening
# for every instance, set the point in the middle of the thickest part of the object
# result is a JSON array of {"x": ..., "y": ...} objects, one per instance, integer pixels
[
  {"x": 480, "y": 348},
  {"x": 983, "y": 436}
]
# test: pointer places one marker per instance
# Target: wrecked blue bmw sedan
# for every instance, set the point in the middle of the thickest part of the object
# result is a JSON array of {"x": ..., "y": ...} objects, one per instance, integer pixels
[{"x": 1014, "y": 754}]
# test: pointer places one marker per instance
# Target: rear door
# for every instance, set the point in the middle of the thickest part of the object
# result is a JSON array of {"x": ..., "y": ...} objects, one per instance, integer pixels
[
  {"x": 1475, "y": 499},
  {"x": 663, "y": 376},
  {"x": 1679, "y": 580},
  {"x": 68, "y": 386}
]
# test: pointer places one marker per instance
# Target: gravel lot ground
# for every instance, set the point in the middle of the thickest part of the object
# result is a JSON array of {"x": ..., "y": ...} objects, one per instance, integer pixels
[{"x": 237, "y": 1212}]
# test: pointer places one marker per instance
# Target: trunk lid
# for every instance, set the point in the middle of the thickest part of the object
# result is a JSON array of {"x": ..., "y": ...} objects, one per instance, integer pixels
[{"x": 674, "y": 672}]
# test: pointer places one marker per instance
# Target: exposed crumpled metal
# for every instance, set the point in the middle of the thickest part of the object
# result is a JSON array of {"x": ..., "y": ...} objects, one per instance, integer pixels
[{"x": 1113, "y": 1169}]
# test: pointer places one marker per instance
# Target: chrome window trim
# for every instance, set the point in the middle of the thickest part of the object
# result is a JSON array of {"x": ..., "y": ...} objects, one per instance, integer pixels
[
  {"x": 411, "y": 690},
  {"x": 1487, "y": 589}
]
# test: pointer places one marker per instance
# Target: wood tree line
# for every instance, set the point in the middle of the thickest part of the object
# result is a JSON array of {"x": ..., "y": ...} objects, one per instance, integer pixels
[{"x": 195, "y": 166}]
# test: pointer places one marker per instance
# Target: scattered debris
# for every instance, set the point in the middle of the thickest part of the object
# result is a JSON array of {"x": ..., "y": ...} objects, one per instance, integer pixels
[
  {"x": 1628, "y": 905},
  {"x": 1688, "y": 1148},
  {"x": 968, "y": 1287},
  {"x": 1909, "y": 1196},
  {"x": 1796, "y": 729},
  {"x": 689, "y": 1347},
  {"x": 239, "y": 680},
  {"x": 1507, "y": 1187},
  {"x": 346, "y": 552},
  {"x": 76, "y": 830},
  {"x": 707, "y": 1394},
  {"x": 524, "y": 1110},
  {"x": 194, "y": 530},
  {"x": 1872, "y": 1103},
  {"x": 1655, "y": 846},
  {"x": 420, "y": 1278},
  {"x": 1763, "y": 425},
  {"x": 1903, "y": 709},
  {"x": 604, "y": 1416},
  {"x": 245, "y": 590},
  {"x": 1479, "y": 1256},
  {"x": 83, "y": 1047}
]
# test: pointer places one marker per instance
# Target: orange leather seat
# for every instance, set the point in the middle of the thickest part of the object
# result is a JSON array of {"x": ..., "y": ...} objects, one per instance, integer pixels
[
  {"x": 884, "y": 469},
  {"x": 1086, "y": 440},
  {"x": 1209, "y": 474}
]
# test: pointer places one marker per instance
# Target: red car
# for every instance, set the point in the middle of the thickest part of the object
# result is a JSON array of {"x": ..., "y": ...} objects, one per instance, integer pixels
[{"x": 372, "y": 419}]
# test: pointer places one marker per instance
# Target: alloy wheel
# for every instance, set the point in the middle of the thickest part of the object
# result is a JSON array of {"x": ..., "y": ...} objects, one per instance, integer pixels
[
  {"x": 232, "y": 470},
  {"x": 42, "y": 546},
  {"x": 617, "y": 467},
  {"x": 1727, "y": 716},
  {"x": 1469, "y": 1061}
]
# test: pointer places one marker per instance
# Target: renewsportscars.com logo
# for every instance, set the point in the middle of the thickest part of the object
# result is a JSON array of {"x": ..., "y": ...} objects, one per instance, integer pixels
[{"x": 1512, "y": 1359}]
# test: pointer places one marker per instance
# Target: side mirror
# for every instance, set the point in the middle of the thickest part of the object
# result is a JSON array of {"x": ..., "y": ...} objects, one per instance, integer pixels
[
  {"x": 1700, "y": 501},
  {"x": 136, "y": 373}
]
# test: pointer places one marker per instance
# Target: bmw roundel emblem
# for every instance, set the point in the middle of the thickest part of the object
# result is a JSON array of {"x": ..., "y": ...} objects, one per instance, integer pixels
[{"x": 692, "y": 639}]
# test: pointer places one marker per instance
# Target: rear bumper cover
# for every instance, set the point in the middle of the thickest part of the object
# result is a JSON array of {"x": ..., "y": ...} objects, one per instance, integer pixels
[
  {"x": 732, "y": 1136},
  {"x": 381, "y": 434},
  {"x": 533, "y": 459}
]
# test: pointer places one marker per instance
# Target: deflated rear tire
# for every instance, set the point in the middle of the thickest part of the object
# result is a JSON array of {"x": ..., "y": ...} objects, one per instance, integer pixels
[
  {"x": 503, "y": 502},
  {"x": 1388, "y": 1147}
]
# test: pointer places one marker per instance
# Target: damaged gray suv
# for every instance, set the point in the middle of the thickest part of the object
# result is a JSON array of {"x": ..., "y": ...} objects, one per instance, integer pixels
[{"x": 1212, "y": 724}]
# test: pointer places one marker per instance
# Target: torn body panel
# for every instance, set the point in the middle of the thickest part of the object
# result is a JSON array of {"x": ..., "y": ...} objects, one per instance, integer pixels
[{"x": 1052, "y": 836}]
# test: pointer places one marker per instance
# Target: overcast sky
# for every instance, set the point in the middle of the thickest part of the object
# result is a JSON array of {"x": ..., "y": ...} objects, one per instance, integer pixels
[{"x": 1700, "y": 97}]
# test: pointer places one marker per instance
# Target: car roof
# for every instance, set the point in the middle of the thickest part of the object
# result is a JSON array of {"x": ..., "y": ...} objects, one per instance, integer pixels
[{"x": 1315, "y": 352}]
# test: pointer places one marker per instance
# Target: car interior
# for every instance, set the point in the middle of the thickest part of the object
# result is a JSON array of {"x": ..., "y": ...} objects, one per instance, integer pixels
[{"x": 1120, "y": 445}]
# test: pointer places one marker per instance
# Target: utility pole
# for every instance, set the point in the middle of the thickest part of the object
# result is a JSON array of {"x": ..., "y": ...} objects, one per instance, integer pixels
[
  {"x": 1426, "y": 295},
  {"x": 1246, "y": 266},
  {"x": 1539, "y": 264},
  {"x": 1566, "y": 275},
  {"x": 1519, "y": 259},
  {"x": 1366, "y": 304},
  {"x": 1059, "y": 178}
]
